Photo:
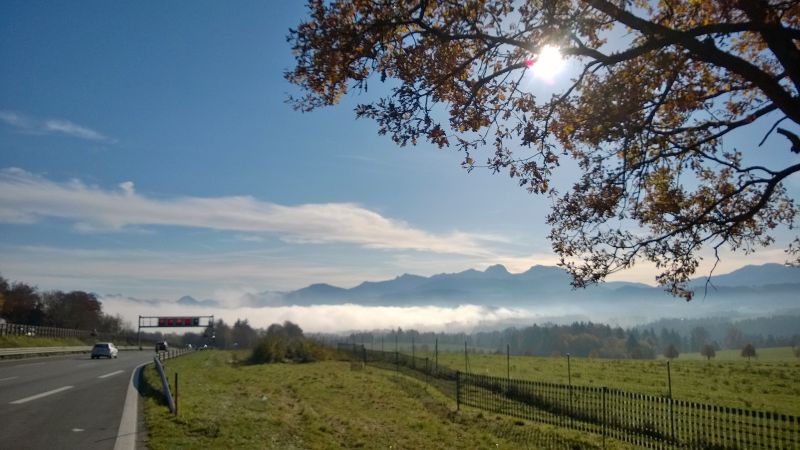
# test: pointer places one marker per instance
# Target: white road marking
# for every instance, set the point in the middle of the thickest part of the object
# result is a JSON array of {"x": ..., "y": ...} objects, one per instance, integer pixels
[
  {"x": 31, "y": 364},
  {"x": 6, "y": 379},
  {"x": 38, "y": 396},
  {"x": 111, "y": 374},
  {"x": 77, "y": 430}
]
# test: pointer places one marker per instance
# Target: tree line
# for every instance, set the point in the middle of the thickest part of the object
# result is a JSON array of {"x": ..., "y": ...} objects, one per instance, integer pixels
[
  {"x": 579, "y": 339},
  {"x": 24, "y": 304}
]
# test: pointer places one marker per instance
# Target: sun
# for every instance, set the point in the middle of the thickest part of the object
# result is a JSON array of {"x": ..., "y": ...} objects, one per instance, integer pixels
[{"x": 547, "y": 64}]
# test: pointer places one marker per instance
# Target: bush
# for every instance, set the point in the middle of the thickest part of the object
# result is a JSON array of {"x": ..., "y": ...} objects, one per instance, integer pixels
[
  {"x": 749, "y": 351},
  {"x": 286, "y": 343},
  {"x": 708, "y": 351},
  {"x": 671, "y": 352}
]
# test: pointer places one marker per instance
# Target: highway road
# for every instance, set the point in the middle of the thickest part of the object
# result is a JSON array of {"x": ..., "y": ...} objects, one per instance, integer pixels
[{"x": 65, "y": 402}]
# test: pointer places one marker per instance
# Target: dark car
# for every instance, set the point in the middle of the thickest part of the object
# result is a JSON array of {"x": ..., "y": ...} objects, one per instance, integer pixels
[{"x": 162, "y": 346}]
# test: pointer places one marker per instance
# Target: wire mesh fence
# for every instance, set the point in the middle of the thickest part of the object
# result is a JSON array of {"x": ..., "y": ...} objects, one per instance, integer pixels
[
  {"x": 15, "y": 329},
  {"x": 648, "y": 421}
]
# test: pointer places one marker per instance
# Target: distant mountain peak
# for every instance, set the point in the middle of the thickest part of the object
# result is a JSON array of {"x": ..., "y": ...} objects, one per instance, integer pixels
[
  {"x": 321, "y": 289},
  {"x": 497, "y": 269},
  {"x": 408, "y": 276},
  {"x": 188, "y": 300},
  {"x": 754, "y": 275}
]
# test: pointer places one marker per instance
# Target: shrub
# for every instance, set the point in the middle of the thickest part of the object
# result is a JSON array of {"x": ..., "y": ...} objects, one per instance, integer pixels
[
  {"x": 749, "y": 351},
  {"x": 671, "y": 352},
  {"x": 286, "y": 343},
  {"x": 708, "y": 351}
]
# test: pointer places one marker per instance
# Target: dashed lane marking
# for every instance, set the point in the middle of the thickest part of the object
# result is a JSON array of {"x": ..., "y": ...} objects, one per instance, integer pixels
[
  {"x": 38, "y": 396},
  {"x": 111, "y": 374}
]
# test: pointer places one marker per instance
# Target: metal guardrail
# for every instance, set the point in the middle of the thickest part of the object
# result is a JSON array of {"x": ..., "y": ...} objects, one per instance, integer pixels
[
  {"x": 25, "y": 352},
  {"x": 173, "y": 353},
  {"x": 172, "y": 400},
  {"x": 36, "y": 351},
  {"x": 164, "y": 383}
]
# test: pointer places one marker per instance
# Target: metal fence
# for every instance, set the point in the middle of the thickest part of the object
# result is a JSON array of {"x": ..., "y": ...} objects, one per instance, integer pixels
[
  {"x": 15, "y": 329},
  {"x": 644, "y": 420},
  {"x": 164, "y": 355}
]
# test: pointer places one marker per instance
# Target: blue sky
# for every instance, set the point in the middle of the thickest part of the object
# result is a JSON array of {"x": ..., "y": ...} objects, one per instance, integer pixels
[{"x": 147, "y": 150}]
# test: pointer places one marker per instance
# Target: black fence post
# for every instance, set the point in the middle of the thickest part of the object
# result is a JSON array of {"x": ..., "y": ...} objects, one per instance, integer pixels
[
  {"x": 569, "y": 392},
  {"x": 427, "y": 371},
  {"x": 436, "y": 354},
  {"x": 458, "y": 390},
  {"x": 605, "y": 415},
  {"x": 508, "y": 361},
  {"x": 413, "y": 354}
]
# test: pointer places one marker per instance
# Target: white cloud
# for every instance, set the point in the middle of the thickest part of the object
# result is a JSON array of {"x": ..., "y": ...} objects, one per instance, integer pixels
[
  {"x": 15, "y": 120},
  {"x": 333, "y": 318},
  {"x": 25, "y": 197},
  {"x": 170, "y": 274},
  {"x": 249, "y": 238},
  {"x": 51, "y": 126},
  {"x": 72, "y": 129},
  {"x": 127, "y": 188}
]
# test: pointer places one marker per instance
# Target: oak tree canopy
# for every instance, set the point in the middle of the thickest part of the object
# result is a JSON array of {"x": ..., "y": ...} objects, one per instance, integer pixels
[{"x": 659, "y": 86}]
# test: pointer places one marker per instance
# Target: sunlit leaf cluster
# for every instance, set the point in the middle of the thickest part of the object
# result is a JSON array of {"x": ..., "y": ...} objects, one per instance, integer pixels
[{"x": 661, "y": 86}]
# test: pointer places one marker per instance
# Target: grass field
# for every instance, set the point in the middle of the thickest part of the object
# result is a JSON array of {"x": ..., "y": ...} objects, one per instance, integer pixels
[
  {"x": 769, "y": 383},
  {"x": 34, "y": 341},
  {"x": 766, "y": 354},
  {"x": 224, "y": 404}
]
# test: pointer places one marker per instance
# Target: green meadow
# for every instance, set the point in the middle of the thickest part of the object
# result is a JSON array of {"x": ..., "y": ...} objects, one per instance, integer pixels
[
  {"x": 769, "y": 382},
  {"x": 36, "y": 341},
  {"x": 325, "y": 405}
]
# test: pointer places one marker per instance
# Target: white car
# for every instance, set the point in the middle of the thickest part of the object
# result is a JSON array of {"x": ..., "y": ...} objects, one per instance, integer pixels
[{"x": 106, "y": 349}]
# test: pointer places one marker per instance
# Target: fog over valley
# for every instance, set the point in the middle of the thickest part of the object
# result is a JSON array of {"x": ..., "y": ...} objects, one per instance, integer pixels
[{"x": 483, "y": 300}]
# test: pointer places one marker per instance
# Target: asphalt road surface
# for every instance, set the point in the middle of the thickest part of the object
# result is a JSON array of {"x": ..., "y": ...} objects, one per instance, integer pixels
[{"x": 69, "y": 402}]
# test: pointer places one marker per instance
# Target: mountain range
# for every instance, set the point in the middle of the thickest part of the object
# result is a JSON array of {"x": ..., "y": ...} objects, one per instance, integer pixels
[{"x": 768, "y": 287}]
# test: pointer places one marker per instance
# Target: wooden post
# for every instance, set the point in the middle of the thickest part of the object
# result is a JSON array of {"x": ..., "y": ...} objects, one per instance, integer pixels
[{"x": 176, "y": 393}]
